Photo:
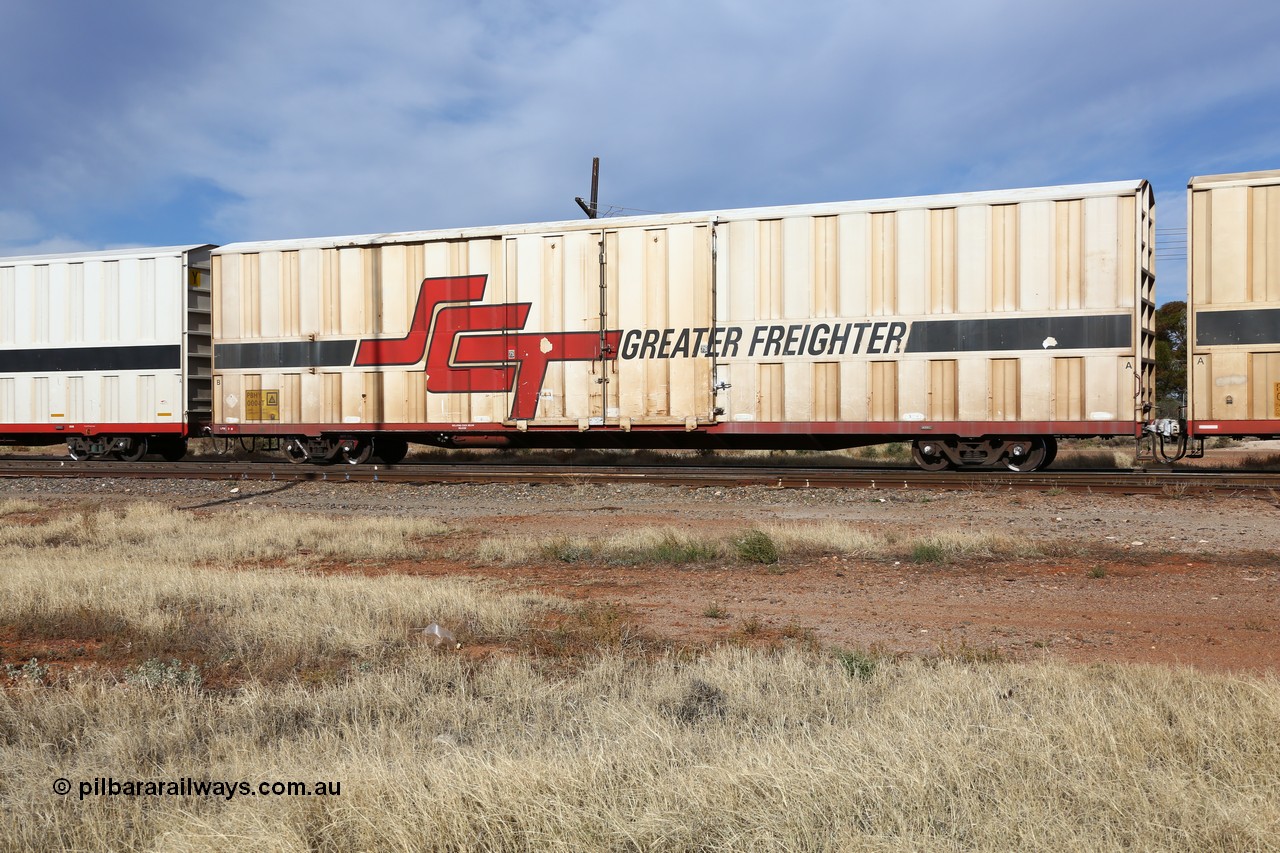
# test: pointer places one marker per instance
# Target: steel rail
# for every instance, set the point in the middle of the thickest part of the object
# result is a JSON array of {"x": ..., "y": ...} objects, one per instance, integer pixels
[{"x": 1173, "y": 483}]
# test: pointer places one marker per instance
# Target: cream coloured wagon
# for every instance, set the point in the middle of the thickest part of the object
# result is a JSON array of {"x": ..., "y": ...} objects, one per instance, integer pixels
[{"x": 981, "y": 327}]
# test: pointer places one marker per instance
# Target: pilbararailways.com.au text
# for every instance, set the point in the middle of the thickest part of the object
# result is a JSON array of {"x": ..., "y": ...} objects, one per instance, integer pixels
[{"x": 108, "y": 786}]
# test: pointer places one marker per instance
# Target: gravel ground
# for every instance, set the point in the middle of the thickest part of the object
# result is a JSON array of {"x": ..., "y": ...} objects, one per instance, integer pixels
[{"x": 1203, "y": 525}]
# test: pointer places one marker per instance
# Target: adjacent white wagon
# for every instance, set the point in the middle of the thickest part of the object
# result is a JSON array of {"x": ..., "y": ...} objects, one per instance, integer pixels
[
  {"x": 1233, "y": 321},
  {"x": 107, "y": 351}
]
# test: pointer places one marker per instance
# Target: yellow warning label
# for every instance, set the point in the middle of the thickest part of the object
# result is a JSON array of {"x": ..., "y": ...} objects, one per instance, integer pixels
[
  {"x": 262, "y": 405},
  {"x": 1275, "y": 400}
]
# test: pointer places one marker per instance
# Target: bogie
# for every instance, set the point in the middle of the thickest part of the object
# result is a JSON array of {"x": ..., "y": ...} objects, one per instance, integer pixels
[
  {"x": 1022, "y": 455},
  {"x": 125, "y": 448}
]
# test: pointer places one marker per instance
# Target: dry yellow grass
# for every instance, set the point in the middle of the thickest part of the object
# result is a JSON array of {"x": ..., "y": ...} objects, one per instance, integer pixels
[
  {"x": 735, "y": 751},
  {"x": 150, "y": 581},
  {"x": 726, "y": 750},
  {"x": 802, "y": 540},
  {"x": 11, "y": 506},
  {"x": 226, "y": 538}
]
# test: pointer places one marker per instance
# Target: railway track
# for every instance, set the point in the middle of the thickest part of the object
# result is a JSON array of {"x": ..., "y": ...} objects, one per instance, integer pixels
[{"x": 1173, "y": 483}]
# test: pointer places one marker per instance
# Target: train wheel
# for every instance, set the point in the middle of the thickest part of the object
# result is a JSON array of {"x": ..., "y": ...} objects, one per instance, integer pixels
[
  {"x": 929, "y": 456},
  {"x": 1029, "y": 454},
  {"x": 1050, "y": 452},
  {"x": 135, "y": 452},
  {"x": 76, "y": 453},
  {"x": 294, "y": 451},
  {"x": 390, "y": 450},
  {"x": 359, "y": 454}
]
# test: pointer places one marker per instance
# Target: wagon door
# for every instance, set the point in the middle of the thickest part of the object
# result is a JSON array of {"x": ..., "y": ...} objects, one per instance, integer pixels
[
  {"x": 616, "y": 327},
  {"x": 559, "y": 344},
  {"x": 660, "y": 300}
]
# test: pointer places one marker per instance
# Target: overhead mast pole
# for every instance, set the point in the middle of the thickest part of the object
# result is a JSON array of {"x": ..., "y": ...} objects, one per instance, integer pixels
[{"x": 592, "y": 210}]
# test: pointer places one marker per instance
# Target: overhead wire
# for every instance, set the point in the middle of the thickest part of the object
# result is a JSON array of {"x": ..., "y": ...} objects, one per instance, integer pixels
[{"x": 1171, "y": 243}]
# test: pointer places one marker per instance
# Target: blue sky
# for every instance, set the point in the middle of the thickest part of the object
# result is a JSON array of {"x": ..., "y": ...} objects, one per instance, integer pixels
[{"x": 145, "y": 123}]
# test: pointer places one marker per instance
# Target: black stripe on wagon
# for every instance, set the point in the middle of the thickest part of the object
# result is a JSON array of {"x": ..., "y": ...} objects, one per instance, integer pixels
[
  {"x": 1108, "y": 331},
  {"x": 87, "y": 359},
  {"x": 282, "y": 355},
  {"x": 1245, "y": 326}
]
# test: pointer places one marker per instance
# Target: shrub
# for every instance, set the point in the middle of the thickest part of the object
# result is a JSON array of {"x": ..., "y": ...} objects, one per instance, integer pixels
[
  {"x": 32, "y": 672},
  {"x": 677, "y": 549},
  {"x": 155, "y": 674},
  {"x": 928, "y": 552},
  {"x": 757, "y": 547},
  {"x": 859, "y": 665},
  {"x": 701, "y": 700}
]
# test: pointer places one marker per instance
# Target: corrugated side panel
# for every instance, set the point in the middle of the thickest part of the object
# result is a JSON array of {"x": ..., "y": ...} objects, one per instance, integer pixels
[
  {"x": 91, "y": 340},
  {"x": 521, "y": 348},
  {"x": 661, "y": 279},
  {"x": 279, "y": 302},
  {"x": 558, "y": 277},
  {"x": 825, "y": 315},
  {"x": 1234, "y": 276},
  {"x": 940, "y": 315}
]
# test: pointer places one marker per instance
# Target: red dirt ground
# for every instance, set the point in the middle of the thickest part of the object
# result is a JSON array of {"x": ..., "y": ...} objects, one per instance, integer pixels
[{"x": 1209, "y": 616}]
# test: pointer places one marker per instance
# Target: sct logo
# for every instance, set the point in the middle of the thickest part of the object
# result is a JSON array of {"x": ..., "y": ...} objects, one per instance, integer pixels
[{"x": 473, "y": 348}]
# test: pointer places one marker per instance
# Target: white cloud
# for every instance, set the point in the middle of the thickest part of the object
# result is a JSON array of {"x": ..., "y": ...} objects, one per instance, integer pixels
[{"x": 23, "y": 234}]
